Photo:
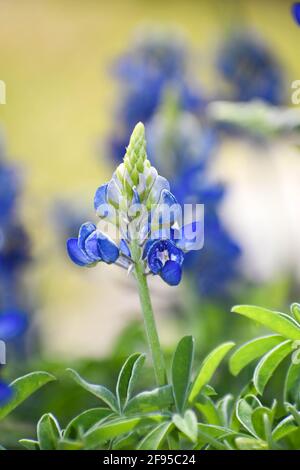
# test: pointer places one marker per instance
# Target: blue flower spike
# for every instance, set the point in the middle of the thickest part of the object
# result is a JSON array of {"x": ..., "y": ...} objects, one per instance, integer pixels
[
  {"x": 146, "y": 218},
  {"x": 296, "y": 12}
]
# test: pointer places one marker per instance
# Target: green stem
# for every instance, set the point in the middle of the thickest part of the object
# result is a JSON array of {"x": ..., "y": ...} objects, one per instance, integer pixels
[{"x": 150, "y": 326}]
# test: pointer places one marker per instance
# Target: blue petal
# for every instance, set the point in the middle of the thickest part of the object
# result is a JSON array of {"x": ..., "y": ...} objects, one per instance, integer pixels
[
  {"x": 12, "y": 324},
  {"x": 296, "y": 12},
  {"x": 76, "y": 255},
  {"x": 147, "y": 247},
  {"x": 108, "y": 249},
  {"x": 92, "y": 248},
  {"x": 124, "y": 249},
  {"x": 100, "y": 196},
  {"x": 168, "y": 198},
  {"x": 84, "y": 232},
  {"x": 171, "y": 273},
  {"x": 6, "y": 393}
]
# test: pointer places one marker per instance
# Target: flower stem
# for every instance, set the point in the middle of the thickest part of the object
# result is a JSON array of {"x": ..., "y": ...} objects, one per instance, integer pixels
[{"x": 150, "y": 326}]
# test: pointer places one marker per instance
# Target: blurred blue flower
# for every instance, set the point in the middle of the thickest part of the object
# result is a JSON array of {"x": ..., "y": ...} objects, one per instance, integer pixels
[
  {"x": 12, "y": 324},
  {"x": 14, "y": 252},
  {"x": 251, "y": 69},
  {"x": 6, "y": 393},
  {"x": 296, "y": 12},
  {"x": 153, "y": 65}
]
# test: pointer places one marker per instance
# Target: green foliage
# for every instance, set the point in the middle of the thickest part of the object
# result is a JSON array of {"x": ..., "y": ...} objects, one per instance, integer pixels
[{"x": 187, "y": 412}]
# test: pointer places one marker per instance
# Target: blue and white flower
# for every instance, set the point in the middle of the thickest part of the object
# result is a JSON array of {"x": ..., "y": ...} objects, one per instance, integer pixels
[{"x": 138, "y": 203}]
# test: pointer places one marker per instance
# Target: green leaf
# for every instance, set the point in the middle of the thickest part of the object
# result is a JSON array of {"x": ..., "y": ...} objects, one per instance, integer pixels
[
  {"x": 157, "y": 399},
  {"x": 209, "y": 391},
  {"x": 225, "y": 406},
  {"x": 48, "y": 432},
  {"x": 128, "y": 441},
  {"x": 209, "y": 435},
  {"x": 65, "y": 444},
  {"x": 292, "y": 385},
  {"x": 81, "y": 423},
  {"x": 295, "y": 310},
  {"x": 273, "y": 320},
  {"x": 269, "y": 363},
  {"x": 258, "y": 420},
  {"x": 208, "y": 410},
  {"x": 249, "y": 443},
  {"x": 127, "y": 378},
  {"x": 208, "y": 367},
  {"x": 23, "y": 387},
  {"x": 187, "y": 424},
  {"x": 29, "y": 444},
  {"x": 244, "y": 415},
  {"x": 98, "y": 390},
  {"x": 96, "y": 436},
  {"x": 181, "y": 371},
  {"x": 154, "y": 439},
  {"x": 252, "y": 350},
  {"x": 284, "y": 428}
]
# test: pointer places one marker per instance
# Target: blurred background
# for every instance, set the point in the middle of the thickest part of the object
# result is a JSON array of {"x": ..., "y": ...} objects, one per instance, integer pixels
[{"x": 79, "y": 75}]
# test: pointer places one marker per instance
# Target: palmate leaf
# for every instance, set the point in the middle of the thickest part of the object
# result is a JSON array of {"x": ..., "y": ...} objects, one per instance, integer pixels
[
  {"x": 269, "y": 363},
  {"x": 208, "y": 367},
  {"x": 181, "y": 371},
  {"x": 23, "y": 387},
  {"x": 276, "y": 321},
  {"x": 128, "y": 377},
  {"x": 252, "y": 350},
  {"x": 154, "y": 439},
  {"x": 98, "y": 390}
]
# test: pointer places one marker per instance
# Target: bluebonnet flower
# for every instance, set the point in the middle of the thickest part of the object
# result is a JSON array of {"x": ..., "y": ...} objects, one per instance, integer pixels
[
  {"x": 296, "y": 12},
  {"x": 138, "y": 202},
  {"x": 154, "y": 64},
  {"x": 251, "y": 69}
]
